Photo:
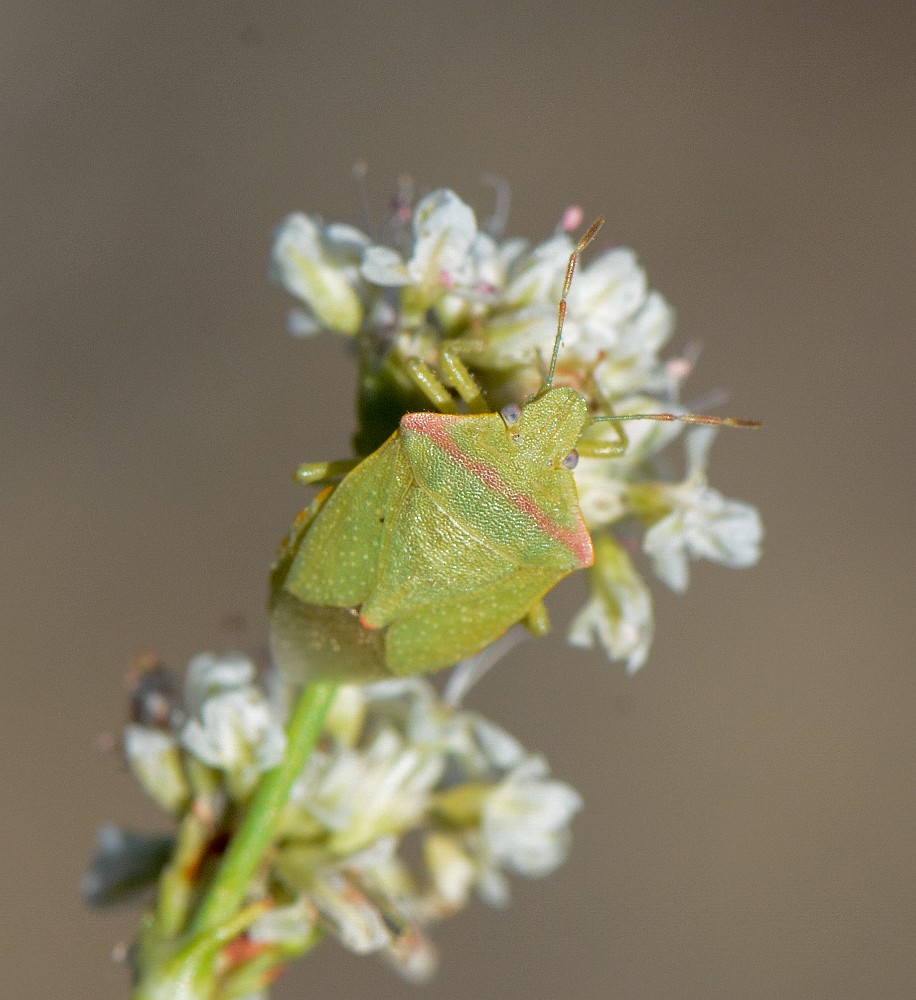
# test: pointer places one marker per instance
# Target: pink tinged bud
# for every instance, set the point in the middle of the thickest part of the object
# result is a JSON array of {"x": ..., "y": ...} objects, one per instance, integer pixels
[
  {"x": 572, "y": 218},
  {"x": 679, "y": 368}
]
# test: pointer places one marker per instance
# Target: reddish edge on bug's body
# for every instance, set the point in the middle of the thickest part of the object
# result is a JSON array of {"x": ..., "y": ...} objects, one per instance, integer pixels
[{"x": 434, "y": 427}]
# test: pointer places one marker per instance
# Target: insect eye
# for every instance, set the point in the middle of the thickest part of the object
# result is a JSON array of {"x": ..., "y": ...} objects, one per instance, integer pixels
[
  {"x": 510, "y": 414},
  {"x": 571, "y": 460}
]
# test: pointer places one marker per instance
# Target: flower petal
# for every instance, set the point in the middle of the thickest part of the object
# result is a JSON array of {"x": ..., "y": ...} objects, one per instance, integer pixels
[
  {"x": 315, "y": 267},
  {"x": 618, "y": 614}
]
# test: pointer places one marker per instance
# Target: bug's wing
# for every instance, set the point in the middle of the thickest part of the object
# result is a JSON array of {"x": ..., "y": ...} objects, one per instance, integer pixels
[
  {"x": 431, "y": 555},
  {"x": 440, "y": 634},
  {"x": 475, "y": 473},
  {"x": 337, "y": 560}
]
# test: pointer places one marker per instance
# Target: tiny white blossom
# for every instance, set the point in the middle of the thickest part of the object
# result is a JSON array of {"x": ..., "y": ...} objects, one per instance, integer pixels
[
  {"x": 521, "y": 328},
  {"x": 632, "y": 362},
  {"x": 535, "y": 276},
  {"x": 525, "y": 822},
  {"x": 702, "y": 524},
  {"x": 319, "y": 265},
  {"x": 363, "y": 795},
  {"x": 605, "y": 295},
  {"x": 154, "y": 758},
  {"x": 477, "y": 743},
  {"x": 236, "y": 732},
  {"x": 705, "y": 525},
  {"x": 602, "y": 483},
  {"x": 353, "y": 919},
  {"x": 452, "y": 870},
  {"x": 602, "y": 492},
  {"x": 384, "y": 266},
  {"x": 289, "y": 925},
  {"x": 208, "y": 674},
  {"x": 612, "y": 317},
  {"x": 619, "y": 612},
  {"x": 445, "y": 230}
]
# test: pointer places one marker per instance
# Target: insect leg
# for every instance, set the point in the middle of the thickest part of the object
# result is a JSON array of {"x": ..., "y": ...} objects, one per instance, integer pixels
[
  {"x": 314, "y": 473},
  {"x": 606, "y": 449},
  {"x": 463, "y": 381},
  {"x": 537, "y": 621},
  {"x": 591, "y": 448},
  {"x": 426, "y": 380}
]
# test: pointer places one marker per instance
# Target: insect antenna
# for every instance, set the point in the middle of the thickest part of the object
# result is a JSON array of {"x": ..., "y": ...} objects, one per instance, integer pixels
[
  {"x": 589, "y": 235},
  {"x": 684, "y": 418}
]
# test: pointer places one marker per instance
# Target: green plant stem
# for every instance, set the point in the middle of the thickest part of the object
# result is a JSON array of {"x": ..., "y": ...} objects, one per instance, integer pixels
[{"x": 253, "y": 837}]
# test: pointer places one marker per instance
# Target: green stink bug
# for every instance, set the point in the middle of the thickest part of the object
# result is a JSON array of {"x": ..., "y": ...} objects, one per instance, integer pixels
[{"x": 445, "y": 536}]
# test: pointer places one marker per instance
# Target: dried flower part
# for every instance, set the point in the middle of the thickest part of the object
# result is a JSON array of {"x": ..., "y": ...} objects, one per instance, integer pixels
[{"x": 125, "y": 863}]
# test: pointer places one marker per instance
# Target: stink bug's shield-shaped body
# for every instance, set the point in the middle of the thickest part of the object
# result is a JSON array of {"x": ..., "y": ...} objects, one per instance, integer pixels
[
  {"x": 435, "y": 544},
  {"x": 447, "y": 535}
]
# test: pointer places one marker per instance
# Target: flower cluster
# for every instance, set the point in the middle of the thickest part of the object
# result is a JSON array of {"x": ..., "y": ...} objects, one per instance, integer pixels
[
  {"x": 440, "y": 280},
  {"x": 397, "y": 765}
]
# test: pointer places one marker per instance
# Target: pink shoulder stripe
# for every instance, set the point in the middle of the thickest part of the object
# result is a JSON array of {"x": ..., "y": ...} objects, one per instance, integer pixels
[{"x": 434, "y": 426}]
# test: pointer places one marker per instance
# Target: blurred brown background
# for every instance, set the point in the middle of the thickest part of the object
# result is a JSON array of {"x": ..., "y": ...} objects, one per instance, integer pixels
[{"x": 749, "y": 829}]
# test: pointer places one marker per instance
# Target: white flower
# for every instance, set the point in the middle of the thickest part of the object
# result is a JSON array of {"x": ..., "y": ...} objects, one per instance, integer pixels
[
  {"x": 619, "y": 612},
  {"x": 522, "y": 326},
  {"x": 413, "y": 955},
  {"x": 236, "y": 732},
  {"x": 476, "y": 743},
  {"x": 612, "y": 318},
  {"x": 291, "y": 925},
  {"x": 535, "y": 276},
  {"x": 208, "y": 674},
  {"x": 601, "y": 483},
  {"x": 631, "y": 362},
  {"x": 602, "y": 492},
  {"x": 452, "y": 869},
  {"x": 354, "y": 920},
  {"x": 445, "y": 230},
  {"x": 702, "y": 523},
  {"x": 606, "y": 295},
  {"x": 154, "y": 758},
  {"x": 319, "y": 265},
  {"x": 525, "y": 821},
  {"x": 363, "y": 795}
]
